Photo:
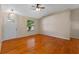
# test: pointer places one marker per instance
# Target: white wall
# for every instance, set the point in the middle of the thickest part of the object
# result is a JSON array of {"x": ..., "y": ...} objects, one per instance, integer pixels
[
  {"x": 75, "y": 23},
  {"x": 22, "y": 29},
  {"x": 0, "y": 31},
  {"x": 0, "y": 25},
  {"x": 21, "y": 26},
  {"x": 57, "y": 25},
  {"x": 0, "y": 28}
]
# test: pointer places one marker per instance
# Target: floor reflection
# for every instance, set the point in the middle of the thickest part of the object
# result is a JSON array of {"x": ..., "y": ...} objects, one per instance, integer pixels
[
  {"x": 40, "y": 44},
  {"x": 31, "y": 43}
]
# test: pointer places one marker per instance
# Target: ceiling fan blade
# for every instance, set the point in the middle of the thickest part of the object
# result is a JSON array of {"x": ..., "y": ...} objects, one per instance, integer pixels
[
  {"x": 38, "y": 6},
  {"x": 33, "y": 6},
  {"x": 42, "y": 7}
]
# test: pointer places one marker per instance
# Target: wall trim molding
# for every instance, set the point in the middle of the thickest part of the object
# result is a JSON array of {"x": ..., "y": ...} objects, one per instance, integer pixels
[{"x": 34, "y": 35}]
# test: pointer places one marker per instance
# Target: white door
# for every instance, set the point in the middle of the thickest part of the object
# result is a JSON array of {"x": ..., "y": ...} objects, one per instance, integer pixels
[{"x": 9, "y": 28}]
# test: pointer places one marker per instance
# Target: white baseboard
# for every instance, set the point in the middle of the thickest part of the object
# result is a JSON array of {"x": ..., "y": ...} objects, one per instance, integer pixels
[
  {"x": 59, "y": 35},
  {"x": 75, "y": 37}
]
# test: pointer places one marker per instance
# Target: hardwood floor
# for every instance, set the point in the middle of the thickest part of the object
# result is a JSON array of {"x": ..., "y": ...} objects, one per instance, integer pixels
[{"x": 40, "y": 44}]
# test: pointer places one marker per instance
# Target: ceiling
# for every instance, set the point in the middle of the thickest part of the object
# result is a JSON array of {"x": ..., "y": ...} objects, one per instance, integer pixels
[{"x": 27, "y": 10}]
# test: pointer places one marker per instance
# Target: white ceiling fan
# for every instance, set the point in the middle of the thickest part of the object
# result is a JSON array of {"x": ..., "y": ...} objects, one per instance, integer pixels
[{"x": 38, "y": 7}]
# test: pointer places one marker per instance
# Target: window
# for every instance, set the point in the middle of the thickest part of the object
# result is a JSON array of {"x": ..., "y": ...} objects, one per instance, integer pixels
[{"x": 30, "y": 25}]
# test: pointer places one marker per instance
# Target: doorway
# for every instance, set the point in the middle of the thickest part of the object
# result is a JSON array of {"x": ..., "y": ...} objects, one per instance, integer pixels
[{"x": 9, "y": 28}]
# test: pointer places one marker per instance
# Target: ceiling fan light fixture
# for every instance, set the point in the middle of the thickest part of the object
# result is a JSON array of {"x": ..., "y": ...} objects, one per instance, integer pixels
[{"x": 38, "y": 9}]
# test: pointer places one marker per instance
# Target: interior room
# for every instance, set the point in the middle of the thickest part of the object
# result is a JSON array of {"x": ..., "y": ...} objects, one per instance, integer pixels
[{"x": 39, "y": 28}]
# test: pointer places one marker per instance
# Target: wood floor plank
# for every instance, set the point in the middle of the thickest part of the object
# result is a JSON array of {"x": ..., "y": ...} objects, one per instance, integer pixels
[{"x": 40, "y": 44}]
